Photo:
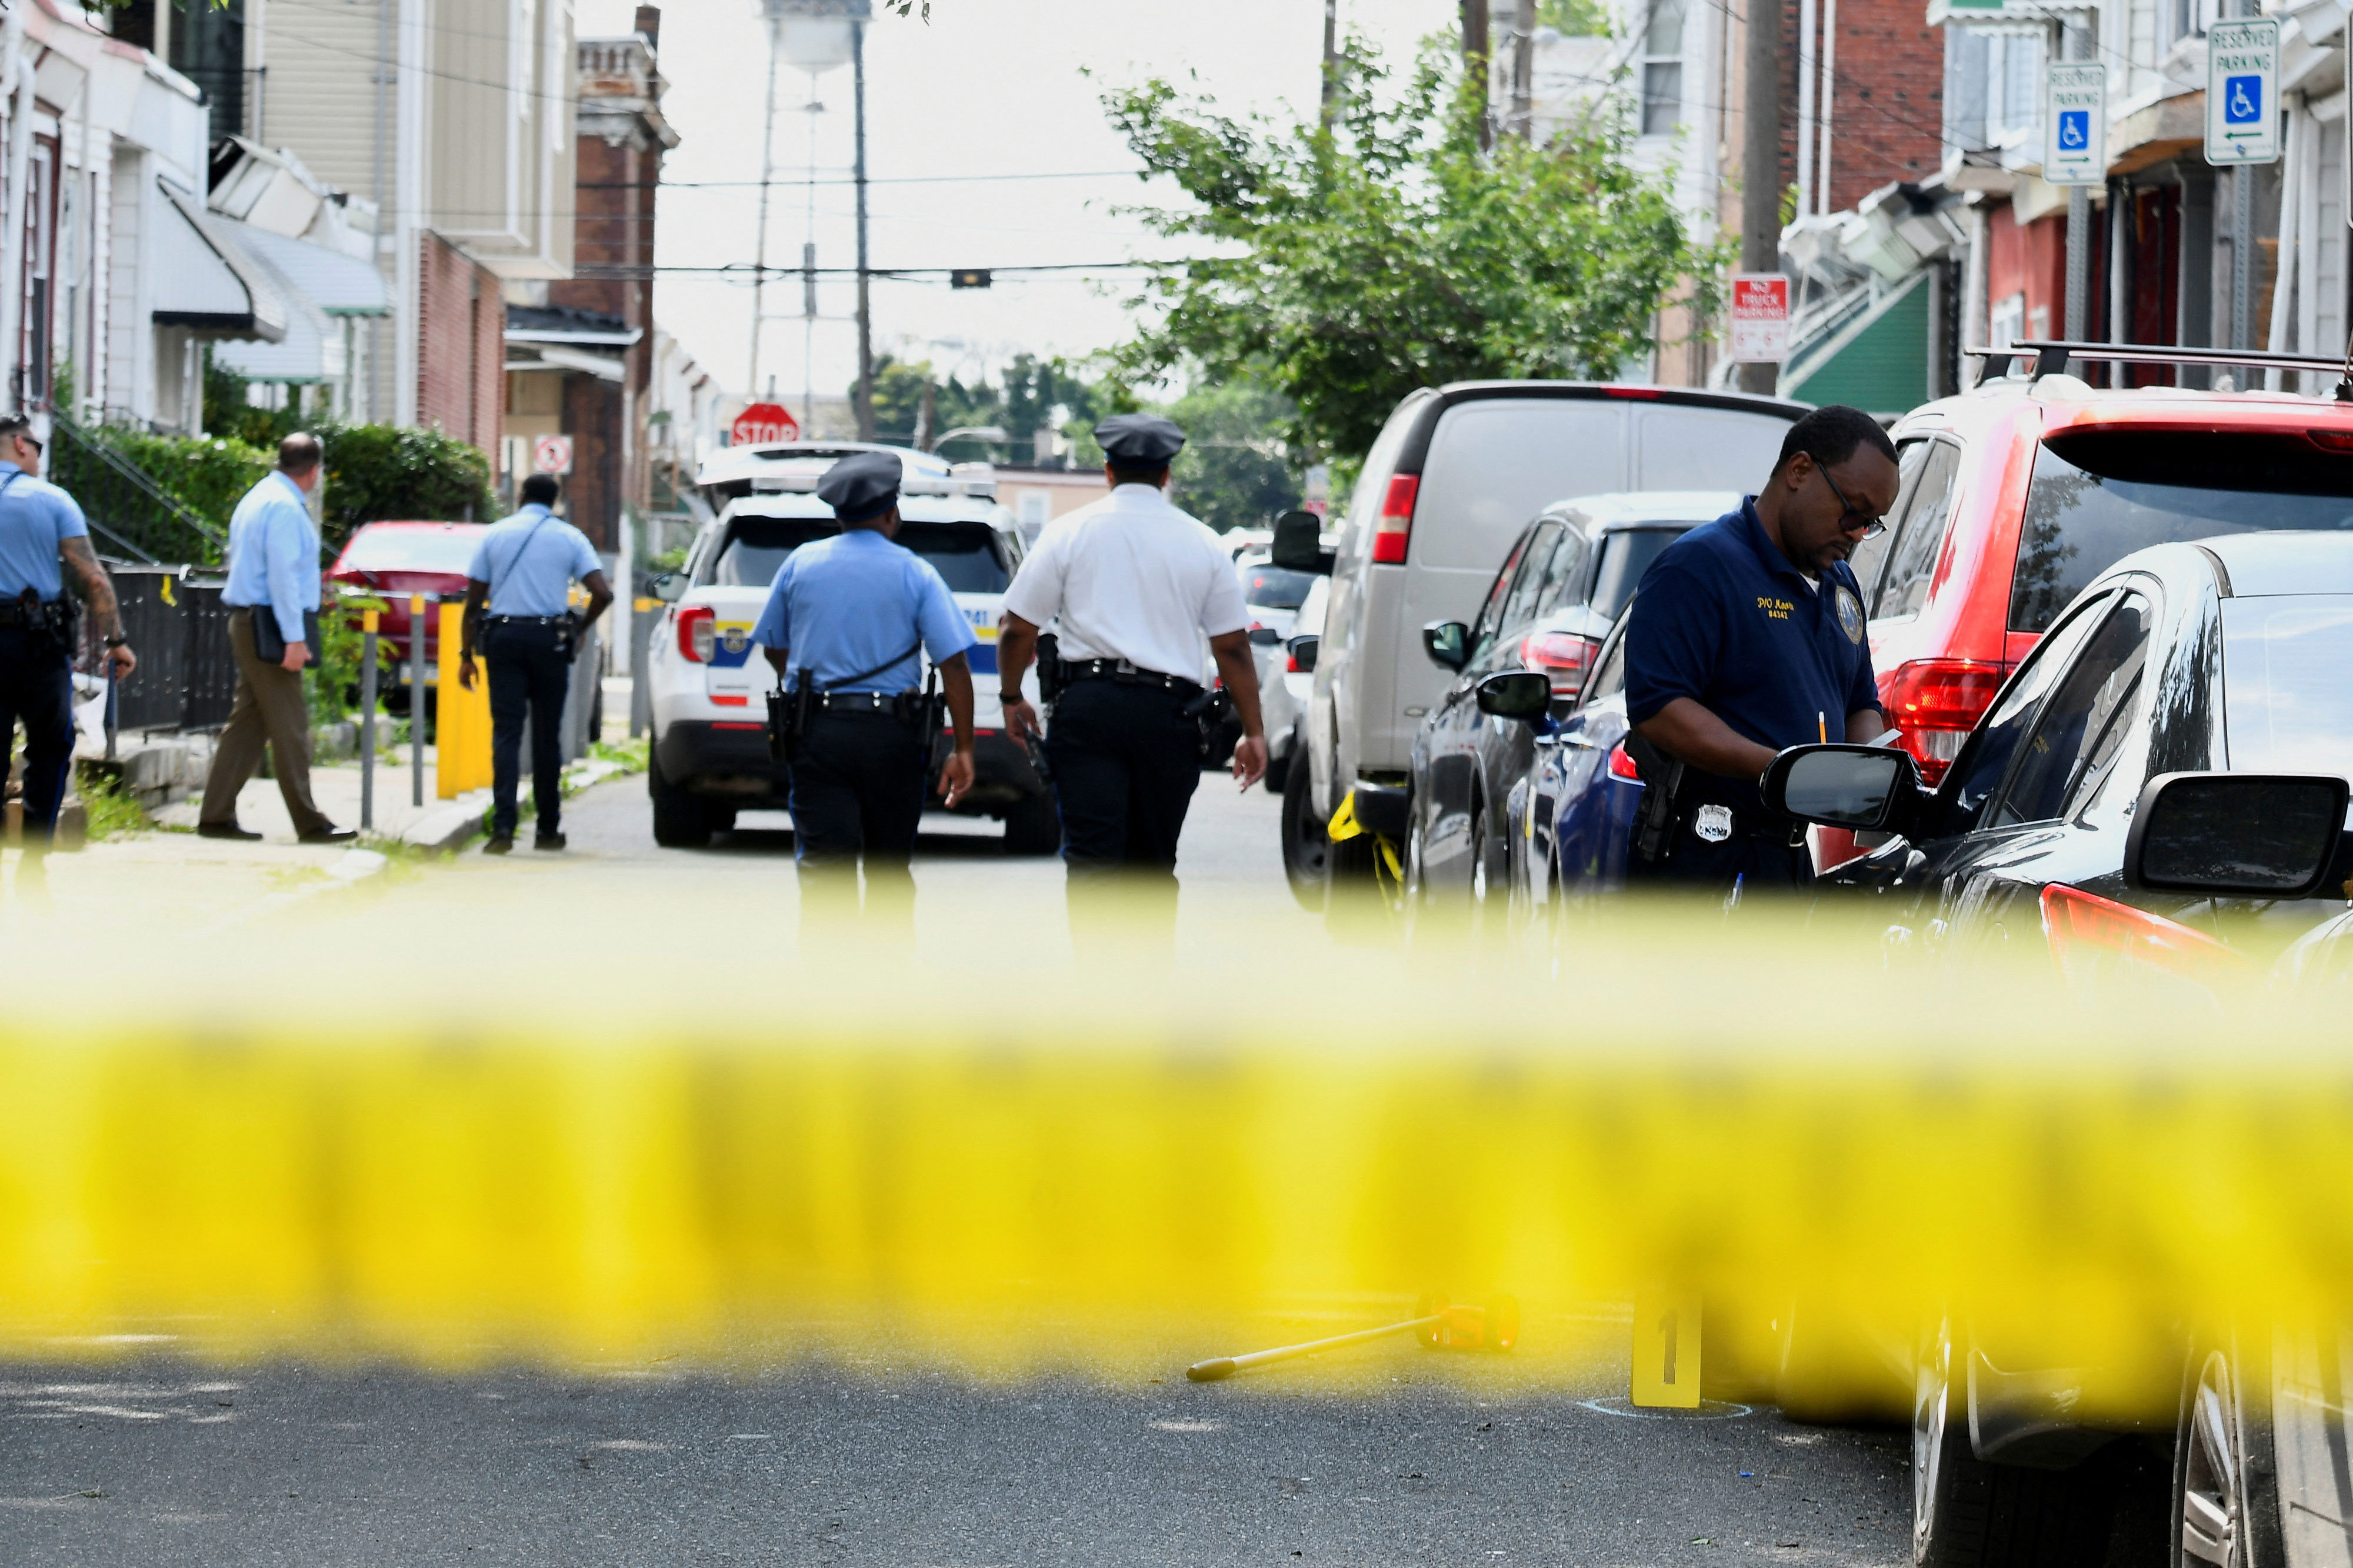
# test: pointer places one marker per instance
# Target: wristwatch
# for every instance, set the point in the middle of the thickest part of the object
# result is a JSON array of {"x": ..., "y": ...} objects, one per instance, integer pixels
[
  {"x": 118, "y": 642},
  {"x": 1007, "y": 699}
]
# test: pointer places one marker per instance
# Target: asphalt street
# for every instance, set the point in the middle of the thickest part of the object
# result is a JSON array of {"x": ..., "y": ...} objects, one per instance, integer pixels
[{"x": 1382, "y": 1454}]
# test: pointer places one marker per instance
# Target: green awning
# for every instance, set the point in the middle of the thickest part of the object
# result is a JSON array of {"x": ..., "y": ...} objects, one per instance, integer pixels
[{"x": 1877, "y": 360}]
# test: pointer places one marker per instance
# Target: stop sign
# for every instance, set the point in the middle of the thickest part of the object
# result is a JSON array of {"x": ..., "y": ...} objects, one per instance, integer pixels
[{"x": 764, "y": 422}]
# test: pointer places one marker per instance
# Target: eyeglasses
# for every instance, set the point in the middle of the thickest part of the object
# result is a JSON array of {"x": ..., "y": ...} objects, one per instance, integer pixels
[{"x": 1873, "y": 527}]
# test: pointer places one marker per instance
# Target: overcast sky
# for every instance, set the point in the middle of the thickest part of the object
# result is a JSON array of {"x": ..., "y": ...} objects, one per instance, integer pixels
[{"x": 989, "y": 88}]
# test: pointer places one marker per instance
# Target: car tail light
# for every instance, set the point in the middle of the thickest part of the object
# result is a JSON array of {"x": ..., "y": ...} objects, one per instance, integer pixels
[
  {"x": 1621, "y": 763},
  {"x": 1290, "y": 665},
  {"x": 2332, "y": 440},
  {"x": 1394, "y": 525},
  {"x": 1935, "y": 702},
  {"x": 2083, "y": 928},
  {"x": 698, "y": 633},
  {"x": 1564, "y": 656}
]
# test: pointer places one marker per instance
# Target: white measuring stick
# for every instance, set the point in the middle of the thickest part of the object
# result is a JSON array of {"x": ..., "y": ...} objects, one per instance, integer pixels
[{"x": 1226, "y": 1366}]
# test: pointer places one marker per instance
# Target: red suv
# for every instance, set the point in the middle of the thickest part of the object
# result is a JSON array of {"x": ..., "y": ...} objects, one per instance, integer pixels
[{"x": 2017, "y": 495}]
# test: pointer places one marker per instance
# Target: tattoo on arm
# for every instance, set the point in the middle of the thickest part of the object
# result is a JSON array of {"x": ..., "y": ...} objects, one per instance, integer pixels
[{"x": 97, "y": 588}]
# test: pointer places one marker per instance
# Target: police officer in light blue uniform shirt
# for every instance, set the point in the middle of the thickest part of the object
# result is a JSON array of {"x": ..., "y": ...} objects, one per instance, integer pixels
[
  {"x": 273, "y": 574},
  {"x": 849, "y": 615},
  {"x": 522, "y": 575},
  {"x": 42, "y": 537}
]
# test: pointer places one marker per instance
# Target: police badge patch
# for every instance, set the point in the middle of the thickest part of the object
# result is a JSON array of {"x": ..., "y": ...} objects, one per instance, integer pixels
[
  {"x": 1850, "y": 615},
  {"x": 1712, "y": 823}
]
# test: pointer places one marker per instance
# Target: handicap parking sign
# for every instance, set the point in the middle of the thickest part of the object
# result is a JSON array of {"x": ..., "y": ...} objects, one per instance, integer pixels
[
  {"x": 2243, "y": 99},
  {"x": 2074, "y": 130}
]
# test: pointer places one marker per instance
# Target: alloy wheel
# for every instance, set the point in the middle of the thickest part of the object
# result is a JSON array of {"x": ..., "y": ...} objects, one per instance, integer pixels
[
  {"x": 2212, "y": 1493},
  {"x": 1932, "y": 1392}
]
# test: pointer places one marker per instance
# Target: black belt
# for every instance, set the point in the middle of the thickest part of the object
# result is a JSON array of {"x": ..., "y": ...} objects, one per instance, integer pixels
[
  {"x": 859, "y": 701},
  {"x": 1127, "y": 674},
  {"x": 15, "y": 612},
  {"x": 529, "y": 620}
]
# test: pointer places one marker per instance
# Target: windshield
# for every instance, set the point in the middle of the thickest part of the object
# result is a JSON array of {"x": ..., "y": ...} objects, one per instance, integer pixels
[
  {"x": 967, "y": 554},
  {"x": 1274, "y": 587},
  {"x": 2101, "y": 495},
  {"x": 1625, "y": 556},
  {"x": 450, "y": 550},
  {"x": 2287, "y": 703}
]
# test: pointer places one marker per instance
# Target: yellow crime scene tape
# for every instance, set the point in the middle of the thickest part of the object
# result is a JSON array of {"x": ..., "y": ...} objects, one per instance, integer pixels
[{"x": 1742, "y": 1120}]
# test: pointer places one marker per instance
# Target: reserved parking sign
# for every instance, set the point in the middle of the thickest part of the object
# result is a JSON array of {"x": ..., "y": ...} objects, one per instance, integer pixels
[
  {"x": 2075, "y": 125},
  {"x": 2242, "y": 96}
]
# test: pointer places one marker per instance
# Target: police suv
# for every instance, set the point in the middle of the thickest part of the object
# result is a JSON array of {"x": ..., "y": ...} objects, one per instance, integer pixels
[{"x": 710, "y": 683}]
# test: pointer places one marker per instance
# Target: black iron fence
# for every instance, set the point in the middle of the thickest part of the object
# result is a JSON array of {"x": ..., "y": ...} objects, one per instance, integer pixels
[{"x": 178, "y": 626}]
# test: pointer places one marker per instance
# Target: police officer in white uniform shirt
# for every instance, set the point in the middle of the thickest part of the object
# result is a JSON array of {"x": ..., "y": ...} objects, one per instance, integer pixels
[{"x": 1136, "y": 585}]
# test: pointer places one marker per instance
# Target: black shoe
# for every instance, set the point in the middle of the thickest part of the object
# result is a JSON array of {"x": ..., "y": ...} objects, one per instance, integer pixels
[
  {"x": 499, "y": 844},
  {"x": 548, "y": 841},
  {"x": 225, "y": 830},
  {"x": 328, "y": 836}
]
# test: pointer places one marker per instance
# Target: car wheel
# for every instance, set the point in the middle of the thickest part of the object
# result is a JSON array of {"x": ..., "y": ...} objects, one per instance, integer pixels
[
  {"x": 1304, "y": 845},
  {"x": 680, "y": 820},
  {"x": 1032, "y": 827},
  {"x": 597, "y": 717},
  {"x": 719, "y": 818},
  {"x": 1357, "y": 889},
  {"x": 1966, "y": 1513},
  {"x": 2225, "y": 1471}
]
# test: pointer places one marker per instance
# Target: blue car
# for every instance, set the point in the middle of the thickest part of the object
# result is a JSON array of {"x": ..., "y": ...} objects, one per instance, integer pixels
[{"x": 1574, "y": 808}]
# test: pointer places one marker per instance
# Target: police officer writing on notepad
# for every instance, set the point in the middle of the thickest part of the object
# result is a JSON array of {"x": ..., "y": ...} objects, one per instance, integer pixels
[
  {"x": 1137, "y": 585},
  {"x": 43, "y": 541},
  {"x": 1746, "y": 636},
  {"x": 845, "y": 623},
  {"x": 521, "y": 575}
]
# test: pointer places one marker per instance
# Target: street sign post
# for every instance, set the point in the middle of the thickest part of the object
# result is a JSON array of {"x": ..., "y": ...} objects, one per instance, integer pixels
[
  {"x": 762, "y": 424},
  {"x": 2242, "y": 96},
  {"x": 2075, "y": 125},
  {"x": 1760, "y": 317},
  {"x": 551, "y": 454}
]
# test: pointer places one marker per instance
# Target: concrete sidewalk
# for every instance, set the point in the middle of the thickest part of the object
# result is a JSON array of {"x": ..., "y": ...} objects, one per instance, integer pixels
[
  {"x": 436, "y": 825},
  {"x": 175, "y": 882}
]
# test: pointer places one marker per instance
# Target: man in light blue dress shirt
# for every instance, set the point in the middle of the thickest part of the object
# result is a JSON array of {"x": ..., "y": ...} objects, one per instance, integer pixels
[
  {"x": 273, "y": 574},
  {"x": 522, "y": 575}
]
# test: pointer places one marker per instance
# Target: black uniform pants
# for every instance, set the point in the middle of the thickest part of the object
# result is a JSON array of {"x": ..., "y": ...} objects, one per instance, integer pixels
[
  {"x": 37, "y": 686},
  {"x": 1126, "y": 759},
  {"x": 857, "y": 792},
  {"x": 1756, "y": 862},
  {"x": 527, "y": 671}
]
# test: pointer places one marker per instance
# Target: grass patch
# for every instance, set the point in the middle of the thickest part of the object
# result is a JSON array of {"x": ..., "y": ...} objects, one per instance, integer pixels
[{"x": 108, "y": 810}]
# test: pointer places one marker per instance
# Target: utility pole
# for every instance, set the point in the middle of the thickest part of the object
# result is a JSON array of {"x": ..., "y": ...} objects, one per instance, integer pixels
[
  {"x": 1760, "y": 162},
  {"x": 1523, "y": 66},
  {"x": 1474, "y": 60},
  {"x": 1331, "y": 60},
  {"x": 767, "y": 175},
  {"x": 865, "y": 312}
]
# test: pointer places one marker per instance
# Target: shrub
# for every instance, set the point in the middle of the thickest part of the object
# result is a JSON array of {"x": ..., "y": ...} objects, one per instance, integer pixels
[{"x": 380, "y": 472}]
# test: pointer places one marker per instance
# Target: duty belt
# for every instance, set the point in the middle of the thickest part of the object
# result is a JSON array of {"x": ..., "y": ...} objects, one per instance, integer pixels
[
  {"x": 16, "y": 612},
  {"x": 858, "y": 701},
  {"x": 1126, "y": 674},
  {"x": 529, "y": 620}
]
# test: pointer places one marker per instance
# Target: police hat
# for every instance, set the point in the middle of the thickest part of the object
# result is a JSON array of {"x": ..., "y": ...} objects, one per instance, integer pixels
[
  {"x": 863, "y": 485},
  {"x": 1139, "y": 440}
]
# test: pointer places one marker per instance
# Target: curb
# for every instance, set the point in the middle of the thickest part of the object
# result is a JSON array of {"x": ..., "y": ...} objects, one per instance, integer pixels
[{"x": 447, "y": 828}]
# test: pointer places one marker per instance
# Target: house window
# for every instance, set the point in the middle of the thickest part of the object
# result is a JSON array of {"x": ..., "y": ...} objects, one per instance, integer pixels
[
  {"x": 2189, "y": 18},
  {"x": 1662, "y": 68}
]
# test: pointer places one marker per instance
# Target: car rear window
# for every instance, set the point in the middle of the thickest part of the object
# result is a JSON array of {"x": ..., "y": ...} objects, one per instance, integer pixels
[
  {"x": 1274, "y": 587},
  {"x": 412, "y": 549},
  {"x": 1625, "y": 556},
  {"x": 2287, "y": 702},
  {"x": 967, "y": 554},
  {"x": 2099, "y": 495}
]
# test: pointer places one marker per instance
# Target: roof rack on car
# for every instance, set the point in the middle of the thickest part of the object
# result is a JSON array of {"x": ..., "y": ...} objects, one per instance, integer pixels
[{"x": 2050, "y": 357}]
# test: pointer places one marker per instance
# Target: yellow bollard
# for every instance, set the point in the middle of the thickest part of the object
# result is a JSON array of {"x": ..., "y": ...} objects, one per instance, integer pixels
[{"x": 462, "y": 718}]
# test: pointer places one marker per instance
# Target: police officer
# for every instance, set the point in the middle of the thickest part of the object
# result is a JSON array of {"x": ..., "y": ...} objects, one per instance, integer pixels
[
  {"x": 522, "y": 575},
  {"x": 43, "y": 541},
  {"x": 1747, "y": 636},
  {"x": 1137, "y": 584},
  {"x": 847, "y": 616}
]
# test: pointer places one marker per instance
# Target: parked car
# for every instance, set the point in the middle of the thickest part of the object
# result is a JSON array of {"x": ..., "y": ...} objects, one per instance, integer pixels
[
  {"x": 396, "y": 560},
  {"x": 1561, "y": 587},
  {"x": 1452, "y": 480},
  {"x": 1272, "y": 594},
  {"x": 710, "y": 756},
  {"x": 1284, "y": 690},
  {"x": 1575, "y": 805}
]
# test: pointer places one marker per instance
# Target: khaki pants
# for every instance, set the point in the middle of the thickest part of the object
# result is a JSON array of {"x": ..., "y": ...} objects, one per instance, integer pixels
[{"x": 270, "y": 707}]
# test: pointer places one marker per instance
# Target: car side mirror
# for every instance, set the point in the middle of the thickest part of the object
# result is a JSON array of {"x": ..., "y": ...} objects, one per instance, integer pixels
[
  {"x": 2256, "y": 835},
  {"x": 1299, "y": 544},
  {"x": 1264, "y": 636},
  {"x": 1448, "y": 643},
  {"x": 669, "y": 588},
  {"x": 1524, "y": 694},
  {"x": 1871, "y": 789},
  {"x": 1302, "y": 650}
]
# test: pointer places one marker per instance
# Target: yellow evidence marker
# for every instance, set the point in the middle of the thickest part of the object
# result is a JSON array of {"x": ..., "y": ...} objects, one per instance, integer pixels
[{"x": 1666, "y": 1350}]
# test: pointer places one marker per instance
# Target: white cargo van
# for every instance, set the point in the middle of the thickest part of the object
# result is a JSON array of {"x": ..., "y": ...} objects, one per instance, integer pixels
[{"x": 1454, "y": 476}]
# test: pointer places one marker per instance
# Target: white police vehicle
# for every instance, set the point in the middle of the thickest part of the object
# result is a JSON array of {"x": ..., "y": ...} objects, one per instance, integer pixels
[{"x": 710, "y": 683}]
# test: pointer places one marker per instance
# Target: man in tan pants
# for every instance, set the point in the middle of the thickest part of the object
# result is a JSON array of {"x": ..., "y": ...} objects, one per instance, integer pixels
[{"x": 273, "y": 572}]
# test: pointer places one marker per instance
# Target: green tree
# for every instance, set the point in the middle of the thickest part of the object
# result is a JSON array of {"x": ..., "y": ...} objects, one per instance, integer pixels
[
  {"x": 1236, "y": 469},
  {"x": 378, "y": 473},
  {"x": 1391, "y": 252}
]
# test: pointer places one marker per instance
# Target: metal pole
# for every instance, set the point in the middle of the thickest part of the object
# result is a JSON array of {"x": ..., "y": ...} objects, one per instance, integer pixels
[
  {"x": 865, "y": 313},
  {"x": 1330, "y": 59},
  {"x": 2077, "y": 40},
  {"x": 367, "y": 720},
  {"x": 417, "y": 602},
  {"x": 1760, "y": 162},
  {"x": 2242, "y": 241},
  {"x": 767, "y": 172}
]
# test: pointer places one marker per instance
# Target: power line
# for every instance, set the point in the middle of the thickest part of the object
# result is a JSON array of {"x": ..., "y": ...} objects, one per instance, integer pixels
[{"x": 894, "y": 180}]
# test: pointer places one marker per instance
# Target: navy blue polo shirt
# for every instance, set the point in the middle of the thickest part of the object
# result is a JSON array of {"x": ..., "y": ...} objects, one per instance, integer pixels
[{"x": 1723, "y": 619}]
